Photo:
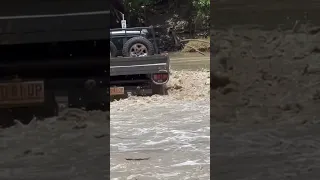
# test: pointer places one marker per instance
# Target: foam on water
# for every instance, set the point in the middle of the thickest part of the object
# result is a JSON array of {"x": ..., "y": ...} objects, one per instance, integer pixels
[{"x": 172, "y": 132}]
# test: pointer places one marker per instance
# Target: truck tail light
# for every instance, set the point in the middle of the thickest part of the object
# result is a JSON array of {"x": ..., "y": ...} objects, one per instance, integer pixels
[{"x": 160, "y": 78}]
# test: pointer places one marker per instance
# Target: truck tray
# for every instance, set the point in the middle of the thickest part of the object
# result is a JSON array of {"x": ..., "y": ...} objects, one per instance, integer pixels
[{"x": 138, "y": 65}]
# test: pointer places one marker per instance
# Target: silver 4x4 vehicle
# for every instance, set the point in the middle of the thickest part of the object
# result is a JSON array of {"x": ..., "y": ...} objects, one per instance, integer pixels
[{"x": 136, "y": 65}]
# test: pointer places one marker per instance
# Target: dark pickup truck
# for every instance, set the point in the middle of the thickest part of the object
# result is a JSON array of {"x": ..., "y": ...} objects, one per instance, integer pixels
[
  {"x": 137, "y": 67},
  {"x": 51, "y": 49}
]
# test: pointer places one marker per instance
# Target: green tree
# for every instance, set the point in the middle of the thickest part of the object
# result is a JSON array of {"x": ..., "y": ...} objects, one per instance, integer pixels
[
  {"x": 199, "y": 10},
  {"x": 202, "y": 7}
]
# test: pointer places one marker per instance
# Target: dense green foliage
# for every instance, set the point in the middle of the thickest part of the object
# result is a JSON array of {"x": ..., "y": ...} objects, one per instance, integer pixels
[
  {"x": 202, "y": 6},
  {"x": 198, "y": 10}
]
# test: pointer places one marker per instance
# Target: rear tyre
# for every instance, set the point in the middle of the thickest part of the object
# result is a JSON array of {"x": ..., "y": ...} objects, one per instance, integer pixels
[
  {"x": 138, "y": 47},
  {"x": 159, "y": 89},
  {"x": 113, "y": 50}
]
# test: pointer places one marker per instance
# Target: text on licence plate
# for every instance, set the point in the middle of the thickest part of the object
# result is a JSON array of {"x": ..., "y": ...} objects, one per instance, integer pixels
[
  {"x": 116, "y": 91},
  {"x": 18, "y": 93}
]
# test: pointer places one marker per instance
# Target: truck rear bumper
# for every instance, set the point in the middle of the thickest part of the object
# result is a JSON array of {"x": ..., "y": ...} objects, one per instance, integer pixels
[
  {"x": 79, "y": 92},
  {"x": 135, "y": 91}
]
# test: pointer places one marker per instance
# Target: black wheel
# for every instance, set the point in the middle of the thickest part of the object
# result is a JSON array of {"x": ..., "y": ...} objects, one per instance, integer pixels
[
  {"x": 113, "y": 50},
  {"x": 159, "y": 89},
  {"x": 137, "y": 46}
]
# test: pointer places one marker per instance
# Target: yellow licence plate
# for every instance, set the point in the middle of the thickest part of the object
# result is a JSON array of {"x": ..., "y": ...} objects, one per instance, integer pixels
[
  {"x": 116, "y": 91},
  {"x": 20, "y": 93}
]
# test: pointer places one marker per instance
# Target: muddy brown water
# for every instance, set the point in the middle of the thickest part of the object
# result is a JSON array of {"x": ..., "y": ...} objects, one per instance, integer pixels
[
  {"x": 165, "y": 137},
  {"x": 72, "y": 146},
  {"x": 169, "y": 134},
  {"x": 158, "y": 137},
  {"x": 265, "y": 123}
]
